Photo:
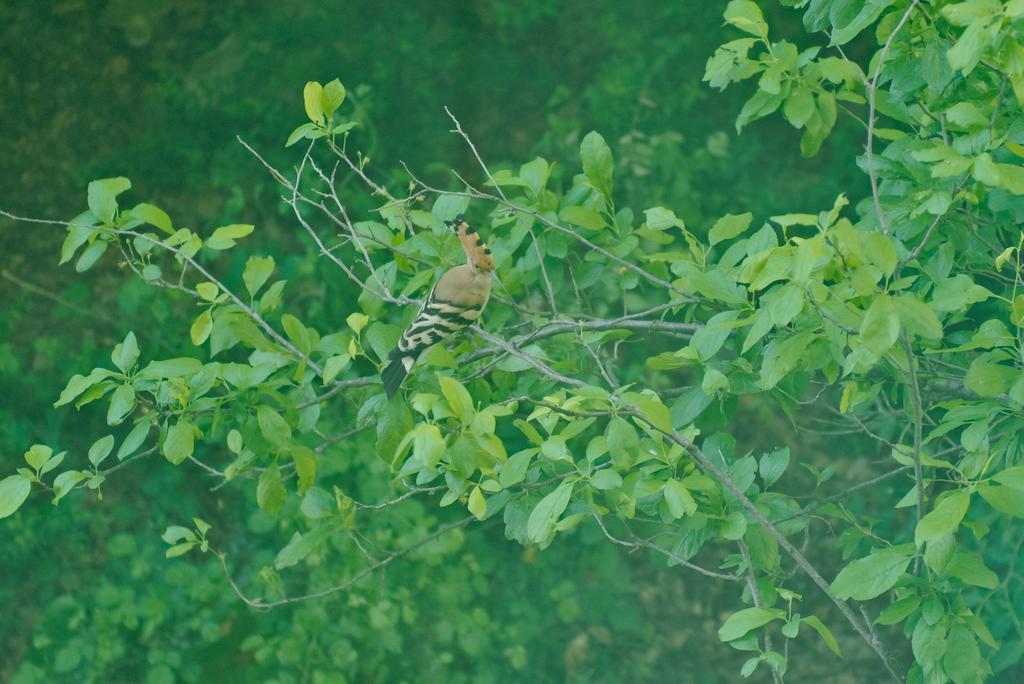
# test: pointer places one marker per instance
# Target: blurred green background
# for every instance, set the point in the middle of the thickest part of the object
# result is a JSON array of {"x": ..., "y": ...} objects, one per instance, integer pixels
[{"x": 157, "y": 91}]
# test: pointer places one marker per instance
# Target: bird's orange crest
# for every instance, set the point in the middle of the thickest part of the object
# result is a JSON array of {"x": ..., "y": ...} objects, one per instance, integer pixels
[{"x": 477, "y": 252}]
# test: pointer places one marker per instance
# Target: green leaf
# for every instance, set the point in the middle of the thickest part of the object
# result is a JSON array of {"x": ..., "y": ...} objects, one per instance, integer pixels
[
  {"x": 394, "y": 420},
  {"x": 100, "y": 449},
  {"x": 746, "y": 16},
  {"x": 709, "y": 339},
  {"x": 175, "y": 533},
  {"x": 623, "y": 442},
  {"x": 651, "y": 408},
  {"x": 273, "y": 427},
  {"x": 764, "y": 549},
  {"x": 749, "y": 666},
  {"x": 357, "y": 321},
  {"x": 91, "y": 255},
  {"x": 38, "y": 455},
  {"x": 714, "y": 381},
  {"x": 970, "y": 569},
  {"x": 582, "y": 216},
  {"x": 151, "y": 272},
  {"x": 1011, "y": 177},
  {"x": 773, "y": 465},
  {"x": 382, "y": 338},
  {"x": 428, "y": 444},
  {"x": 782, "y": 356},
  {"x": 966, "y": 115},
  {"x": 225, "y": 236},
  {"x": 729, "y": 226},
  {"x": 541, "y": 525},
  {"x": 333, "y": 366},
  {"x": 300, "y": 546},
  {"x": 513, "y": 471},
  {"x": 989, "y": 379},
  {"x": 678, "y": 499},
  {"x": 742, "y": 621},
  {"x": 305, "y": 467},
  {"x": 660, "y": 218},
  {"x": 65, "y": 482},
  {"x": 881, "y": 326},
  {"x": 966, "y": 53},
  {"x": 873, "y": 575},
  {"x": 477, "y": 503},
  {"x": 312, "y": 97},
  {"x": 257, "y": 271},
  {"x": 1003, "y": 257},
  {"x": 459, "y": 400},
  {"x": 534, "y": 174},
  {"x": 179, "y": 550},
  {"x": 899, "y": 610},
  {"x": 957, "y": 293},
  {"x": 847, "y": 24},
  {"x": 179, "y": 442},
  {"x": 799, "y": 107},
  {"x": 556, "y": 449},
  {"x": 154, "y": 216},
  {"x": 824, "y": 632},
  {"x": 306, "y": 130},
  {"x": 606, "y": 479},
  {"x": 917, "y": 317},
  {"x": 208, "y": 291},
  {"x": 270, "y": 491},
  {"x": 943, "y": 519},
  {"x": 103, "y": 197},
  {"x": 172, "y": 368},
  {"x": 1011, "y": 477},
  {"x": 929, "y": 643},
  {"x": 1003, "y": 499},
  {"x": 134, "y": 439},
  {"x": 734, "y": 526},
  {"x": 332, "y": 96},
  {"x": 962, "y": 661},
  {"x": 317, "y": 503},
  {"x": 122, "y": 403},
  {"x": 126, "y": 353},
  {"x": 235, "y": 441},
  {"x": 52, "y": 463},
  {"x": 14, "y": 489},
  {"x": 296, "y": 332},
  {"x": 201, "y": 328},
  {"x": 447, "y": 207},
  {"x": 76, "y": 237},
  {"x": 597, "y": 162},
  {"x": 759, "y": 106}
]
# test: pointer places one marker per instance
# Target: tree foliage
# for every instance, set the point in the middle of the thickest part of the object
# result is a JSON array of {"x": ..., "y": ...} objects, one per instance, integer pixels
[{"x": 610, "y": 388}]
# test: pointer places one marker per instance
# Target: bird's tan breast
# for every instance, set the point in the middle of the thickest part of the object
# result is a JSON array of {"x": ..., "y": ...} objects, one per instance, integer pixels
[{"x": 464, "y": 287}]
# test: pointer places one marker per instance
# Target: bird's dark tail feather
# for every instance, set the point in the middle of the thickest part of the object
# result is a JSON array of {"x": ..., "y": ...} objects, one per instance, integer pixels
[{"x": 393, "y": 375}]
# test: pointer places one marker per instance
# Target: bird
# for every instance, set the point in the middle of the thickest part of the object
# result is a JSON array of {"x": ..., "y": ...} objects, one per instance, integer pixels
[{"x": 456, "y": 301}]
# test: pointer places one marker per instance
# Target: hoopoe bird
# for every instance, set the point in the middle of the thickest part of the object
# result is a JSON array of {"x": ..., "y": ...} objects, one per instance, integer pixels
[{"x": 457, "y": 299}]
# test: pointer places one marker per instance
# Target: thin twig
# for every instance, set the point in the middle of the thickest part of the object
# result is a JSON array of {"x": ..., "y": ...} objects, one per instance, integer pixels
[
  {"x": 872, "y": 94},
  {"x": 536, "y": 246},
  {"x": 260, "y": 604},
  {"x": 644, "y": 543},
  {"x": 259, "y": 320},
  {"x": 915, "y": 389},
  {"x": 866, "y": 632},
  {"x": 755, "y": 595}
]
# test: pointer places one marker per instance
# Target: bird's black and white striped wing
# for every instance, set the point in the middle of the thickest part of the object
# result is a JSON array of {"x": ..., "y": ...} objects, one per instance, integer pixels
[{"x": 436, "y": 321}]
